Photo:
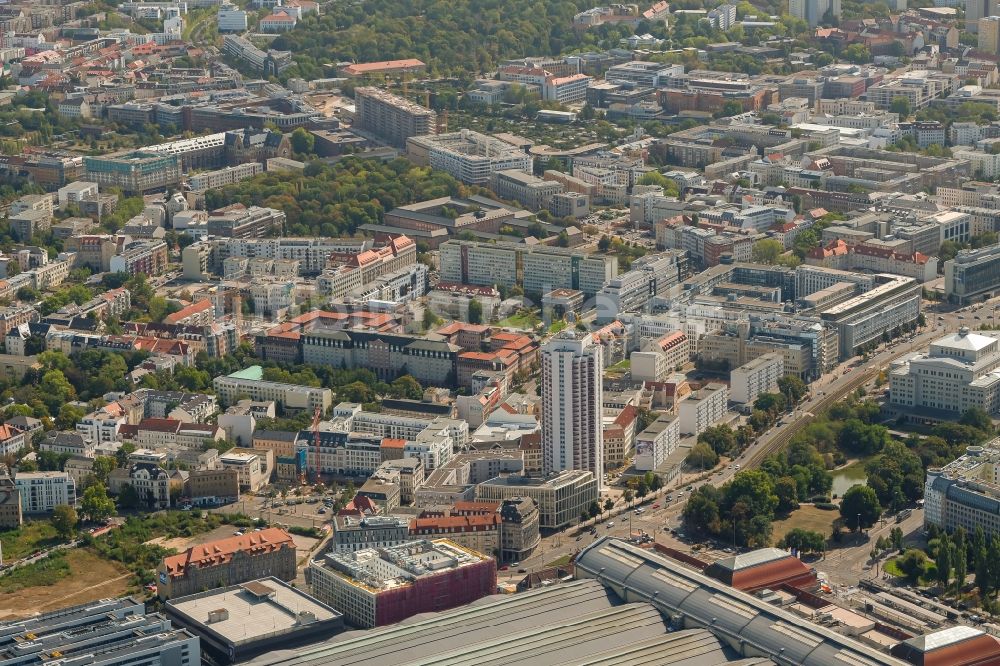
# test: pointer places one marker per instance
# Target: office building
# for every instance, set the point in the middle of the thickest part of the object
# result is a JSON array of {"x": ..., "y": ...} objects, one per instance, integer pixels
[
  {"x": 391, "y": 117},
  {"x": 249, "y": 383},
  {"x": 972, "y": 275},
  {"x": 239, "y": 622},
  {"x": 650, "y": 277},
  {"x": 957, "y": 372},
  {"x": 41, "y": 492},
  {"x": 989, "y": 33},
  {"x": 535, "y": 268},
  {"x": 134, "y": 172},
  {"x": 478, "y": 532},
  {"x": 530, "y": 191},
  {"x": 224, "y": 562},
  {"x": 887, "y": 309},
  {"x": 703, "y": 408},
  {"x": 758, "y": 376},
  {"x": 469, "y": 156},
  {"x": 561, "y": 497},
  {"x": 572, "y": 403},
  {"x": 108, "y": 632},
  {"x": 966, "y": 492},
  {"x": 376, "y": 587},
  {"x": 351, "y": 533},
  {"x": 656, "y": 442}
]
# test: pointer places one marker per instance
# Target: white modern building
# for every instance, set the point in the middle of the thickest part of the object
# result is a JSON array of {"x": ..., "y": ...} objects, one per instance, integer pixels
[
  {"x": 957, "y": 372},
  {"x": 760, "y": 375},
  {"x": 572, "y": 433},
  {"x": 41, "y": 492},
  {"x": 469, "y": 156},
  {"x": 655, "y": 443},
  {"x": 703, "y": 408},
  {"x": 232, "y": 18}
]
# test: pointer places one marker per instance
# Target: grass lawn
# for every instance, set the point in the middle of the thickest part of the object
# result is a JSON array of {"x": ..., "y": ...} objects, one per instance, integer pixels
[
  {"x": 806, "y": 517},
  {"x": 30, "y": 537},
  {"x": 892, "y": 568},
  {"x": 558, "y": 326},
  {"x": 71, "y": 577},
  {"x": 620, "y": 366},
  {"x": 561, "y": 562},
  {"x": 523, "y": 319}
]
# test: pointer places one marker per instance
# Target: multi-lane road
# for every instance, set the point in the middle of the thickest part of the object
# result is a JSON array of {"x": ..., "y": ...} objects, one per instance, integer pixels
[{"x": 846, "y": 378}]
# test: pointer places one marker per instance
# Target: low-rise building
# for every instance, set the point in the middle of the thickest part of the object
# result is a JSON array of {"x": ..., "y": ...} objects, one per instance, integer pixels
[
  {"x": 41, "y": 492},
  {"x": 375, "y": 587},
  {"x": 237, "y": 559},
  {"x": 561, "y": 497},
  {"x": 239, "y": 622}
]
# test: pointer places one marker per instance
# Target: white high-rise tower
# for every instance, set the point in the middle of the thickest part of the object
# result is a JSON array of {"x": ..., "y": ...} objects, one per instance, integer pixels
[{"x": 572, "y": 402}]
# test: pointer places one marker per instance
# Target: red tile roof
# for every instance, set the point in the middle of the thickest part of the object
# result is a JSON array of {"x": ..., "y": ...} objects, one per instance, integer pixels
[{"x": 216, "y": 553}]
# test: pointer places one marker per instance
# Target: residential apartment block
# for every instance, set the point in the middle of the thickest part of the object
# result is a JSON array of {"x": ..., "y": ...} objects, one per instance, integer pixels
[
  {"x": 392, "y": 117},
  {"x": 703, "y": 408},
  {"x": 41, "y": 492},
  {"x": 760, "y": 375}
]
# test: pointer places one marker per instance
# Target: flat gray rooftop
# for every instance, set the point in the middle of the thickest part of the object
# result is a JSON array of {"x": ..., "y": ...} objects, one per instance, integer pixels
[{"x": 257, "y": 609}]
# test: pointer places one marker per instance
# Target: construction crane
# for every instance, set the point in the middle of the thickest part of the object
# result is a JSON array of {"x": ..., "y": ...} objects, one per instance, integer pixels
[{"x": 315, "y": 429}]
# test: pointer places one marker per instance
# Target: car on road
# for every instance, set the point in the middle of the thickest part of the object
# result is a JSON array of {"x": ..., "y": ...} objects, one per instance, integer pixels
[
  {"x": 610, "y": 525},
  {"x": 522, "y": 571},
  {"x": 656, "y": 506},
  {"x": 321, "y": 511}
]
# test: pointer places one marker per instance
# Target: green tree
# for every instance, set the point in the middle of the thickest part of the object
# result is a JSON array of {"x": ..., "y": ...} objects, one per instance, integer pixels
[
  {"x": 69, "y": 416},
  {"x": 787, "y": 490},
  {"x": 594, "y": 509},
  {"x": 702, "y": 456},
  {"x": 771, "y": 403},
  {"x": 913, "y": 564},
  {"x": 129, "y": 498},
  {"x": 766, "y": 251},
  {"x": 609, "y": 504},
  {"x": 303, "y": 141},
  {"x": 804, "y": 540},
  {"x": 793, "y": 388},
  {"x": 64, "y": 520},
  {"x": 943, "y": 561},
  {"x": 96, "y": 505},
  {"x": 961, "y": 566},
  {"x": 475, "y": 311},
  {"x": 604, "y": 244},
  {"x": 407, "y": 387},
  {"x": 978, "y": 419},
  {"x": 861, "y": 438},
  {"x": 102, "y": 467},
  {"x": 859, "y": 504},
  {"x": 721, "y": 438},
  {"x": 901, "y": 105},
  {"x": 701, "y": 513}
]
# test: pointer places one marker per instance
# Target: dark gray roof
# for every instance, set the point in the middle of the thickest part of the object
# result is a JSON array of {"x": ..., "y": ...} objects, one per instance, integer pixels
[
  {"x": 744, "y": 621},
  {"x": 575, "y": 623}
]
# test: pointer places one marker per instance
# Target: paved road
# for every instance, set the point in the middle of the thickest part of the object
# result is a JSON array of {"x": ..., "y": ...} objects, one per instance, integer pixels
[{"x": 847, "y": 377}]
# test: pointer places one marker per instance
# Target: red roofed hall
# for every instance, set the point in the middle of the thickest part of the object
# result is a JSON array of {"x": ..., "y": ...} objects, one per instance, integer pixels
[{"x": 763, "y": 568}]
